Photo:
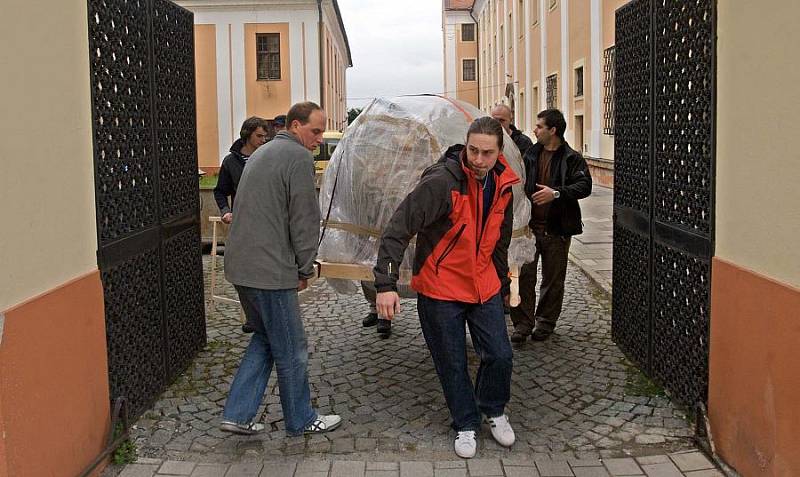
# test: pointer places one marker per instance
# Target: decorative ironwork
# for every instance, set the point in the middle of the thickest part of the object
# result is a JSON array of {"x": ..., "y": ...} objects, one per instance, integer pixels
[
  {"x": 552, "y": 91},
  {"x": 143, "y": 110},
  {"x": 608, "y": 85},
  {"x": 664, "y": 161},
  {"x": 683, "y": 70}
]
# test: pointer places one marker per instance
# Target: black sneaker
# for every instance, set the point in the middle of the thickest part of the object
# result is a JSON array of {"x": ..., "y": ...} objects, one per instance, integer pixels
[
  {"x": 370, "y": 320},
  {"x": 519, "y": 337},
  {"x": 540, "y": 335},
  {"x": 384, "y": 328}
]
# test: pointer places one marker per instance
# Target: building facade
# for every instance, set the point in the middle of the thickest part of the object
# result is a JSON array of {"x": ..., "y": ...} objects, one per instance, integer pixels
[
  {"x": 257, "y": 58},
  {"x": 535, "y": 54}
]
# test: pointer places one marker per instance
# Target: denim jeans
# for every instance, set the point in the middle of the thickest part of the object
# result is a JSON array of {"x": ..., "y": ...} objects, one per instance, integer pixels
[
  {"x": 443, "y": 326},
  {"x": 282, "y": 342}
]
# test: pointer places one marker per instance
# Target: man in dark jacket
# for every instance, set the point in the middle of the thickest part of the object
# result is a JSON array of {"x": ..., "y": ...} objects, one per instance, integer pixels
[
  {"x": 252, "y": 135},
  {"x": 461, "y": 212},
  {"x": 557, "y": 176},
  {"x": 504, "y": 116}
]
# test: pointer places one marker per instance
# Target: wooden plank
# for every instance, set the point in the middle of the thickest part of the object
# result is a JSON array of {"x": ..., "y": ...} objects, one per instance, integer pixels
[{"x": 346, "y": 271}]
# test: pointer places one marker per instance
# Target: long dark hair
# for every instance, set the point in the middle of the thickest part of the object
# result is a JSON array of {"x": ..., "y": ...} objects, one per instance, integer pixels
[{"x": 489, "y": 126}]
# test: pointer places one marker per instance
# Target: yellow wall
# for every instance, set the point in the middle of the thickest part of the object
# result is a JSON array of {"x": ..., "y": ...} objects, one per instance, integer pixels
[
  {"x": 205, "y": 57},
  {"x": 267, "y": 99},
  {"x": 757, "y": 205},
  {"x": 467, "y": 90},
  {"x": 47, "y": 175}
]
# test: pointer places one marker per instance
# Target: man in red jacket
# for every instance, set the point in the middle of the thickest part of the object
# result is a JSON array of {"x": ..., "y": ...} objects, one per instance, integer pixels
[{"x": 462, "y": 215}]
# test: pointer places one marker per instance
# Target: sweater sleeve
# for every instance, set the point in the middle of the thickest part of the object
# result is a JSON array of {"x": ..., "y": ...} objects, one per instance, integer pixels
[
  {"x": 304, "y": 216},
  {"x": 223, "y": 189}
]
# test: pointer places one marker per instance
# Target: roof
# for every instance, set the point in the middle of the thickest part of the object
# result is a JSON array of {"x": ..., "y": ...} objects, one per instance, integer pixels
[
  {"x": 344, "y": 32},
  {"x": 458, "y": 4}
]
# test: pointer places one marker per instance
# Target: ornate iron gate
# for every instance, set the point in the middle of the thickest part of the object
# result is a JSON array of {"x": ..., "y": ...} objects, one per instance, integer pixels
[
  {"x": 145, "y": 158},
  {"x": 664, "y": 189}
]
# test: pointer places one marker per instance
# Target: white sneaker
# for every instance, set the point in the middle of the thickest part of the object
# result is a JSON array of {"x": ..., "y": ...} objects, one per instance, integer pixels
[
  {"x": 501, "y": 430},
  {"x": 244, "y": 429},
  {"x": 465, "y": 444},
  {"x": 323, "y": 424}
]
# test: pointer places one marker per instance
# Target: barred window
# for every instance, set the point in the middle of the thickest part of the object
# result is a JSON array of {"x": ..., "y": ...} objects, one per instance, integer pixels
[
  {"x": 609, "y": 66},
  {"x": 268, "y": 56},
  {"x": 468, "y": 70},
  {"x": 579, "y": 81},
  {"x": 467, "y": 32},
  {"x": 552, "y": 91}
]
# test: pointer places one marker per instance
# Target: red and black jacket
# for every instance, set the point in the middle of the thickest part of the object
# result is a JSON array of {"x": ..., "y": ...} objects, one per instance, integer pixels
[{"x": 458, "y": 256}]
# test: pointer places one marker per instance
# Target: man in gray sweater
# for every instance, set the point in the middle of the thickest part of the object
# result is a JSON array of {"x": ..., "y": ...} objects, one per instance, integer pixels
[{"x": 269, "y": 257}]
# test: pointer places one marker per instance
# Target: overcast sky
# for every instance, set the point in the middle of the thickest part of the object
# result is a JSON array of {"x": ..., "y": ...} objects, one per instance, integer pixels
[{"x": 396, "y": 47}]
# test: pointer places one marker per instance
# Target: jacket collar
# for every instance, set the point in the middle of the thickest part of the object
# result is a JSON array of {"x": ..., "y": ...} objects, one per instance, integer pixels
[{"x": 454, "y": 159}]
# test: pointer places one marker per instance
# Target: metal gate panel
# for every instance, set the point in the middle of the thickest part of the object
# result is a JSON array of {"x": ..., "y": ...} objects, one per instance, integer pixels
[
  {"x": 143, "y": 98},
  {"x": 664, "y": 189}
]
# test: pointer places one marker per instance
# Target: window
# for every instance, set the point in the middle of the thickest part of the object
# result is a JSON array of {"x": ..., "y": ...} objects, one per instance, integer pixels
[
  {"x": 268, "y": 56},
  {"x": 521, "y": 116},
  {"x": 502, "y": 42},
  {"x": 467, "y": 32},
  {"x": 534, "y": 12},
  {"x": 521, "y": 18},
  {"x": 608, "y": 84},
  {"x": 535, "y": 102},
  {"x": 552, "y": 90},
  {"x": 579, "y": 81},
  {"x": 468, "y": 70}
]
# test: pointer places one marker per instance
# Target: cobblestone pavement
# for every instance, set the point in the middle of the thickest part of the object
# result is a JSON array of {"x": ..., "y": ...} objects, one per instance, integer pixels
[
  {"x": 689, "y": 464},
  {"x": 573, "y": 396}
]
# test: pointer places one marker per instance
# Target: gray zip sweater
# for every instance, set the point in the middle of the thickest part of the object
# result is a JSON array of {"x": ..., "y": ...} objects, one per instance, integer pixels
[{"x": 275, "y": 232}]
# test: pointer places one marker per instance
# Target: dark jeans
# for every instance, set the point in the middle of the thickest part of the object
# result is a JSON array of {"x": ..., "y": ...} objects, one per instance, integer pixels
[
  {"x": 553, "y": 251},
  {"x": 443, "y": 326}
]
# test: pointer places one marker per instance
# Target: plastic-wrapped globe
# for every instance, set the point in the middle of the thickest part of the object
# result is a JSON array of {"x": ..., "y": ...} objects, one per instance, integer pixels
[{"x": 380, "y": 159}]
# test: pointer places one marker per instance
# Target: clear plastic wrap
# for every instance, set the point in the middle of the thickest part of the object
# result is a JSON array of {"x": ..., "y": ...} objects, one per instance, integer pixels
[{"x": 378, "y": 162}]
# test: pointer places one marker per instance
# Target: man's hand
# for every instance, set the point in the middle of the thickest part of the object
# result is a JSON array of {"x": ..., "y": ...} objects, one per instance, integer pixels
[
  {"x": 227, "y": 218},
  {"x": 388, "y": 304},
  {"x": 302, "y": 285},
  {"x": 543, "y": 196}
]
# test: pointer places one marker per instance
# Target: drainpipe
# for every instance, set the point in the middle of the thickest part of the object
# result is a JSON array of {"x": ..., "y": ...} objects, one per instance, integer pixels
[
  {"x": 321, "y": 57},
  {"x": 478, "y": 55}
]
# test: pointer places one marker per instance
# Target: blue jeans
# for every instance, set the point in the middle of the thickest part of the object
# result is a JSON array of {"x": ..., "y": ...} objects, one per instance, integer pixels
[
  {"x": 282, "y": 342},
  {"x": 443, "y": 326}
]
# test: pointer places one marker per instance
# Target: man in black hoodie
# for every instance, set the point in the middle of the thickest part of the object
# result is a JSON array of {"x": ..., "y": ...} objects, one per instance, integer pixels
[
  {"x": 504, "y": 116},
  {"x": 252, "y": 135}
]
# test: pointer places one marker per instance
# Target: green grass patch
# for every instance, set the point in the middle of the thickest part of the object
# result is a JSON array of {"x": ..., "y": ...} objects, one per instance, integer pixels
[
  {"x": 208, "y": 182},
  {"x": 638, "y": 384},
  {"x": 126, "y": 453}
]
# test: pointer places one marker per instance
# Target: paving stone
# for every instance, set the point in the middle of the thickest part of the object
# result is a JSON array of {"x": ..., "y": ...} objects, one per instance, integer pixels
[
  {"x": 450, "y": 473},
  {"x": 585, "y": 463},
  {"x": 553, "y": 468},
  {"x": 278, "y": 469},
  {"x": 149, "y": 461},
  {"x": 139, "y": 470},
  {"x": 174, "y": 467},
  {"x": 382, "y": 473},
  {"x": 416, "y": 469},
  {"x": 310, "y": 466},
  {"x": 382, "y": 465},
  {"x": 245, "y": 469},
  {"x": 689, "y": 461},
  {"x": 451, "y": 464},
  {"x": 667, "y": 469},
  {"x": 484, "y": 467},
  {"x": 590, "y": 472},
  {"x": 705, "y": 473},
  {"x": 623, "y": 466},
  {"x": 210, "y": 470},
  {"x": 650, "y": 439},
  {"x": 521, "y": 471},
  {"x": 347, "y": 469}
]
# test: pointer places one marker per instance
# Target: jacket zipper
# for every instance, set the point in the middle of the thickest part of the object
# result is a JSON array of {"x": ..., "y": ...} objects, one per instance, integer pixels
[{"x": 450, "y": 246}]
